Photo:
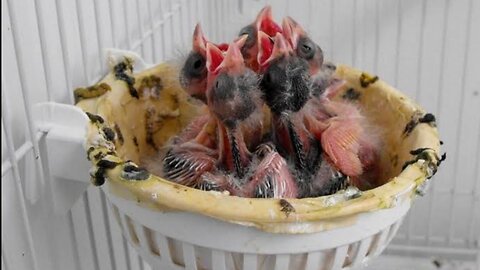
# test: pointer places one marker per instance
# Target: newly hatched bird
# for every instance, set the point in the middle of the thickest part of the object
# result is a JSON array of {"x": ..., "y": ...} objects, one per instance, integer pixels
[
  {"x": 234, "y": 98},
  {"x": 287, "y": 88},
  {"x": 264, "y": 22},
  {"x": 350, "y": 141}
]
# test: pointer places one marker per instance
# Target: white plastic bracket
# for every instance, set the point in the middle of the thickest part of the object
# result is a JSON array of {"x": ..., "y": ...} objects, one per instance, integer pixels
[{"x": 64, "y": 127}]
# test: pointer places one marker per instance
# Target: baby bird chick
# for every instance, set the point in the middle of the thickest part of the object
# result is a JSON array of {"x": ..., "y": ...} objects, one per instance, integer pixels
[
  {"x": 287, "y": 87},
  {"x": 235, "y": 99}
]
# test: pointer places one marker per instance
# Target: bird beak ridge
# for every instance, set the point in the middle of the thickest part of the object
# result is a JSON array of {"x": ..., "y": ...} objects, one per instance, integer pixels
[
  {"x": 265, "y": 22},
  {"x": 199, "y": 41}
]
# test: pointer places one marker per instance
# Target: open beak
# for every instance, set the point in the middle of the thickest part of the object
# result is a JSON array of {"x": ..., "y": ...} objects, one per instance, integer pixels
[
  {"x": 270, "y": 52},
  {"x": 292, "y": 31},
  {"x": 265, "y": 48},
  {"x": 265, "y": 22},
  {"x": 234, "y": 62},
  {"x": 214, "y": 58},
  {"x": 199, "y": 41},
  {"x": 240, "y": 41}
]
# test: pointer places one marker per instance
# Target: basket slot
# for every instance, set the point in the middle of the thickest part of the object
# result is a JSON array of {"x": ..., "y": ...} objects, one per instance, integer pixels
[
  {"x": 116, "y": 213},
  {"x": 378, "y": 243},
  {"x": 314, "y": 259},
  {"x": 235, "y": 259},
  {"x": 339, "y": 257},
  {"x": 141, "y": 235},
  {"x": 128, "y": 224},
  {"x": 249, "y": 261},
  {"x": 362, "y": 251},
  {"x": 352, "y": 250},
  {"x": 151, "y": 243},
  {"x": 189, "y": 257},
  {"x": 298, "y": 261},
  {"x": 164, "y": 249},
  {"x": 218, "y": 260},
  {"x": 282, "y": 262},
  {"x": 393, "y": 230}
]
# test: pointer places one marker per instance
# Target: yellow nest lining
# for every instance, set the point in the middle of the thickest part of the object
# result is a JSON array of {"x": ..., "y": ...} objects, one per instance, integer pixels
[{"x": 143, "y": 125}]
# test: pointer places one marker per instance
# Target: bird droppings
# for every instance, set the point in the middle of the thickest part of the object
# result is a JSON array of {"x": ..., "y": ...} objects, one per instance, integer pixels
[
  {"x": 150, "y": 87},
  {"x": 437, "y": 263},
  {"x": 429, "y": 119},
  {"x": 149, "y": 127},
  {"x": 418, "y": 151},
  {"x": 90, "y": 150},
  {"x": 132, "y": 172},
  {"x": 120, "y": 74},
  {"x": 135, "y": 142},
  {"x": 99, "y": 155},
  {"x": 351, "y": 94},
  {"x": 98, "y": 177},
  {"x": 367, "y": 79},
  {"x": 442, "y": 158},
  {"x": 95, "y": 118},
  {"x": 417, "y": 118},
  {"x": 109, "y": 133},
  {"x": 119, "y": 134},
  {"x": 430, "y": 160},
  {"x": 93, "y": 91},
  {"x": 107, "y": 164},
  {"x": 286, "y": 207}
]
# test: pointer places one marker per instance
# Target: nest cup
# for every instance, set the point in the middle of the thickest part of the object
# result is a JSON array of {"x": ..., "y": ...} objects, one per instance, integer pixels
[{"x": 133, "y": 115}]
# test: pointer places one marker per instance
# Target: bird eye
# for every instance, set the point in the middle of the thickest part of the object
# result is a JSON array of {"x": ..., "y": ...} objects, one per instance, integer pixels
[
  {"x": 306, "y": 48},
  {"x": 195, "y": 66}
]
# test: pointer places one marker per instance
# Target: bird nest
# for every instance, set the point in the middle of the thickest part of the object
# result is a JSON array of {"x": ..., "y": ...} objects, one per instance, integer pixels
[{"x": 133, "y": 116}]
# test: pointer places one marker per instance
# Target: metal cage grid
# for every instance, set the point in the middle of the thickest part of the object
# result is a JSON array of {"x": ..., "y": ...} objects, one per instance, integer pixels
[{"x": 427, "y": 48}]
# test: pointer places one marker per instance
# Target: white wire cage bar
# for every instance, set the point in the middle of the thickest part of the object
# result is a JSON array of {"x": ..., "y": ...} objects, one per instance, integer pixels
[{"x": 427, "y": 48}]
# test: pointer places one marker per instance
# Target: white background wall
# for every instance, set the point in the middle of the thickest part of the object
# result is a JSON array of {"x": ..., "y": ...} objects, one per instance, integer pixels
[{"x": 430, "y": 49}]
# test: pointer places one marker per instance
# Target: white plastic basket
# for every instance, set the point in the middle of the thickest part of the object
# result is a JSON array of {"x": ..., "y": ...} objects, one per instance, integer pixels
[
  {"x": 187, "y": 240},
  {"x": 181, "y": 240}
]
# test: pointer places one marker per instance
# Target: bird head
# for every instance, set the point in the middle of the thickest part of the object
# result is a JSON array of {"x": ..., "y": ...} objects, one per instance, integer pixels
[
  {"x": 286, "y": 81},
  {"x": 193, "y": 76},
  {"x": 302, "y": 45},
  {"x": 232, "y": 88}
]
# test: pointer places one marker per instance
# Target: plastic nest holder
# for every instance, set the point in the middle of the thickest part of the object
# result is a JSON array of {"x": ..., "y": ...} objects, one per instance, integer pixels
[{"x": 176, "y": 227}]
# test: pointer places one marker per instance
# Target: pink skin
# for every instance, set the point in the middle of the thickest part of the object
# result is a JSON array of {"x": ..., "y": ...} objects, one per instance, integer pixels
[
  {"x": 281, "y": 183},
  {"x": 192, "y": 154},
  {"x": 351, "y": 146},
  {"x": 188, "y": 161}
]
